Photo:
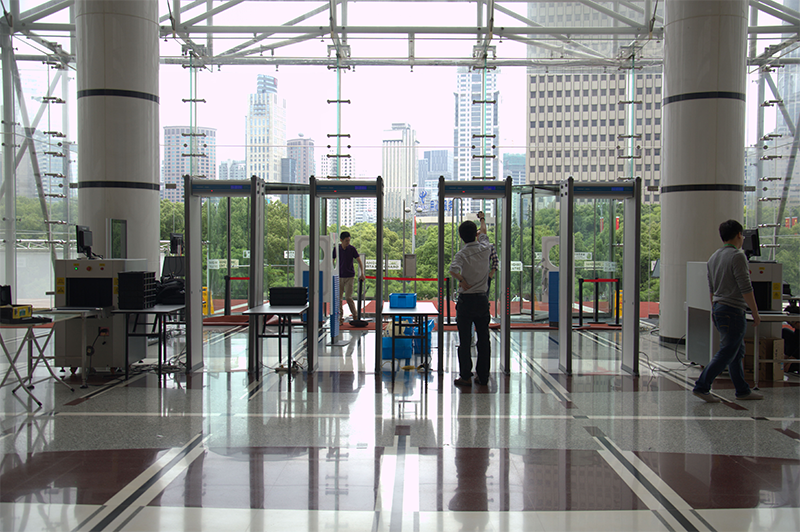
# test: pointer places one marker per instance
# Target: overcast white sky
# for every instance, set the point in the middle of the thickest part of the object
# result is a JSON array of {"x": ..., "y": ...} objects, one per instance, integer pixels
[{"x": 380, "y": 96}]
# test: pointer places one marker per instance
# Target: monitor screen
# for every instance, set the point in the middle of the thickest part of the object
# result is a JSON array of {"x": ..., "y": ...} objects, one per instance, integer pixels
[
  {"x": 83, "y": 237},
  {"x": 176, "y": 243},
  {"x": 752, "y": 245}
]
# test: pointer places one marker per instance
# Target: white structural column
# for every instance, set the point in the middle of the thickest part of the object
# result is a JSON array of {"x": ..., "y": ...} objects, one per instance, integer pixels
[
  {"x": 118, "y": 174},
  {"x": 703, "y": 142}
]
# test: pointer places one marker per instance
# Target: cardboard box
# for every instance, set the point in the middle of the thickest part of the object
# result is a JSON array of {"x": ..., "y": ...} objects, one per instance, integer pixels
[
  {"x": 768, "y": 349},
  {"x": 770, "y": 355}
]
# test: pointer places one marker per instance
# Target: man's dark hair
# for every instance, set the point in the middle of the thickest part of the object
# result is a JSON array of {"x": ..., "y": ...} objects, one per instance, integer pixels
[
  {"x": 468, "y": 231},
  {"x": 344, "y": 235},
  {"x": 728, "y": 230}
]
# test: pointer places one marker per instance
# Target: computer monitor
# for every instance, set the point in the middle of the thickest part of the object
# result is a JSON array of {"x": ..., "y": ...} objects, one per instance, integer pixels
[
  {"x": 83, "y": 237},
  {"x": 752, "y": 245},
  {"x": 176, "y": 243}
]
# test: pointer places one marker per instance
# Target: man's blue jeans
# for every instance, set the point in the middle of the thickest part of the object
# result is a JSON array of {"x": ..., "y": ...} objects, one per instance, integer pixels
[
  {"x": 473, "y": 309},
  {"x": 731, "y": 324}
]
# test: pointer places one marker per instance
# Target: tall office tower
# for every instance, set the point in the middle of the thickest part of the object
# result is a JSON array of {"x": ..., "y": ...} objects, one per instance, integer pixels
[
  {"x": 578, "y": 123},
  {"x": 344, "y": 167},
  {"x": 302, "y": 151},
  {"x": 476, "y": 128},
  {"x": 187, "y": 151},
  {"x": 437, "y": 163},
  {"x": 399, "y": 168},
  {"x": 266, "y": 131},
  {"x": 231, "y": 169},
  {"x": 514, "y": 167},
  {"x": 365, "y": 210}
]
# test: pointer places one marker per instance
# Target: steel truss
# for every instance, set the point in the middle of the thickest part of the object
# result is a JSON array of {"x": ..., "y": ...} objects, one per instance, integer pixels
[{"x": 50, "y": 29}]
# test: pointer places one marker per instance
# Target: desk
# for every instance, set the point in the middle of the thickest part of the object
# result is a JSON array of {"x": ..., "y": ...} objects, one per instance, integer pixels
[
  {"x": 769, "y": 317},
  {"x": 285, "y": 314},
  {"x": 160, "y": 312},
  {"x": 31, "y": 340},
  {"x": 419, "y": 314}
]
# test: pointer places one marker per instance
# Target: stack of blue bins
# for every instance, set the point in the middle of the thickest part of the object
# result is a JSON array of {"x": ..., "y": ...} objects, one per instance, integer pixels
[{"x": 403, "y": 347}]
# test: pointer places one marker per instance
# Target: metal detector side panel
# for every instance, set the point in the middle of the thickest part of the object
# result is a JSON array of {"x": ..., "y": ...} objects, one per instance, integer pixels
[
  {"x": 565, "y": 265},
  {"x": 630, "y": 282}
]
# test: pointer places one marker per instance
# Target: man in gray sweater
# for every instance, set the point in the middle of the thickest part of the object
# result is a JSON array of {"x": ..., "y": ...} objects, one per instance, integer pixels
[{"x": 731, "y": 294}]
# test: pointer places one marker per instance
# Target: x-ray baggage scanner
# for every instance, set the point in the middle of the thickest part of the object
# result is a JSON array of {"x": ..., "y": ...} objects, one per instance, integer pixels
[
  {"x": 331, "y": 189},
  {"x": 483, "y": 189},
  {"x": 630, "y": 192}
]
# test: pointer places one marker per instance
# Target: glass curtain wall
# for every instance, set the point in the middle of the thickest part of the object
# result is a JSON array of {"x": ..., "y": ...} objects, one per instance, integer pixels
[
  {"x": 555, "y": 106},
  {"x": 39, "y": 159}
]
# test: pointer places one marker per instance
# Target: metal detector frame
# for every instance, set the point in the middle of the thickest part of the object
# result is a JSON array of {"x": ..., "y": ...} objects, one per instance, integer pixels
[
  {"x": 327, "y": 189},
  {"x": 194, "y": 190},
  {"x": 481, "y": 189},
  {"x": 631, "y": 193}
]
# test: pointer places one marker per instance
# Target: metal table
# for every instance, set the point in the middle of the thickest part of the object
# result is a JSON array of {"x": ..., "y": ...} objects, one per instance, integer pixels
[
  {"x": 418, "y": 314},
  {"x": 285, "y": 314},
  {"x": 159, "y": 329}
]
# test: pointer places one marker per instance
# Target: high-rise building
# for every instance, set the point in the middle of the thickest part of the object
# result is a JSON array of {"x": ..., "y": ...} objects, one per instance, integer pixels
[
  {"x": 342, "y": 210},
  {"x": 302, "y": 150},
  {"x": 476, "y": 128},
  {"x": 593, "y": 124},
  {"x": 514, "y": 167},
  {"x": 187, "y": 151},
  {"x": 266, "y": 131},
  {"x": 399, "y": 168},
  {"x": 231, "y": 169}
]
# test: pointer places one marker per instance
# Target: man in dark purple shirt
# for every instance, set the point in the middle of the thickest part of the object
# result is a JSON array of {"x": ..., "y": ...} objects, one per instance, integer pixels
[{"x": 347, "y": 273}]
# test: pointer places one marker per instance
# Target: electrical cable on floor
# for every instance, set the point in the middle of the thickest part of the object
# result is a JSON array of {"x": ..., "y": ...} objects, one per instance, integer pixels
[{"x": 684, "y": 364}]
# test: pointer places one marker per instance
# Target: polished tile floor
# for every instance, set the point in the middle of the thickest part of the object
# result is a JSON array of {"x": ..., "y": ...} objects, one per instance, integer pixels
[{"x": 349, "y": 448}]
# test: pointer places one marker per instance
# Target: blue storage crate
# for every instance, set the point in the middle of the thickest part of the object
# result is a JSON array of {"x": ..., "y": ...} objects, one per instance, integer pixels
[
  {"x": 429, "y": 324},
  {"x": 402, "y": 347},
  {"x": 402, "y": 300}
]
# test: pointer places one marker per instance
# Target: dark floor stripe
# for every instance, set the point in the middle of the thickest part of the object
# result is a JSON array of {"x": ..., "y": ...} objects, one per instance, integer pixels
[
  {"x": 129, "y": 519},
  {"x": 790, "y": 433},
  {"x": 677, "y": 514},
  {"x": 100, "y": 390},
  {"x": 397, "y": 497},
  {"x": 561, "y": 397},
  {"x": 731, "y": 404},
  {"x": 663, "y": 521},
  {"x": 700, "y": 517},
  {"x": 144, "y": 487}
]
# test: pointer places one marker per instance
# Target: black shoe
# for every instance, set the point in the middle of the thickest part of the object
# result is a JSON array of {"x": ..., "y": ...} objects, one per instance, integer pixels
[
  {"x": 462, "y": 382},
  {"x": 480, "y": 382}
]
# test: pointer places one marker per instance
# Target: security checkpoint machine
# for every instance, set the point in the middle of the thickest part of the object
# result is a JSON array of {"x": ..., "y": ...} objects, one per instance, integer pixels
[
  {"x": 702, "y": 338},
  {"x": 630, "y": 192},
  {"x": 481, "y": 189},
  {"x": 93, "y": 284}
]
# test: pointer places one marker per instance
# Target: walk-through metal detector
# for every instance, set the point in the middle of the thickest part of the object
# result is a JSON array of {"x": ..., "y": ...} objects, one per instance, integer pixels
[
  {"x": 630, "y": 192},
  {"x": 194, "y": 190},
  {"x": 481, "y": 190},
  {"x": 331, "y": 189}
]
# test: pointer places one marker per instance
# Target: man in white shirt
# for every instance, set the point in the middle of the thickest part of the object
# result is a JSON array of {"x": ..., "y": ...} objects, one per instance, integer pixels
[{"x": 470, "y": 266}]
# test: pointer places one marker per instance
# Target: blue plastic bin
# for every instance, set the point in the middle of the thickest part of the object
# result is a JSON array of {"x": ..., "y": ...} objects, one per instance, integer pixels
[
  {"x": 402, "y": 300},
  {"x": 402, "y": 347},
  {"x": 418, "y": 341}
]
